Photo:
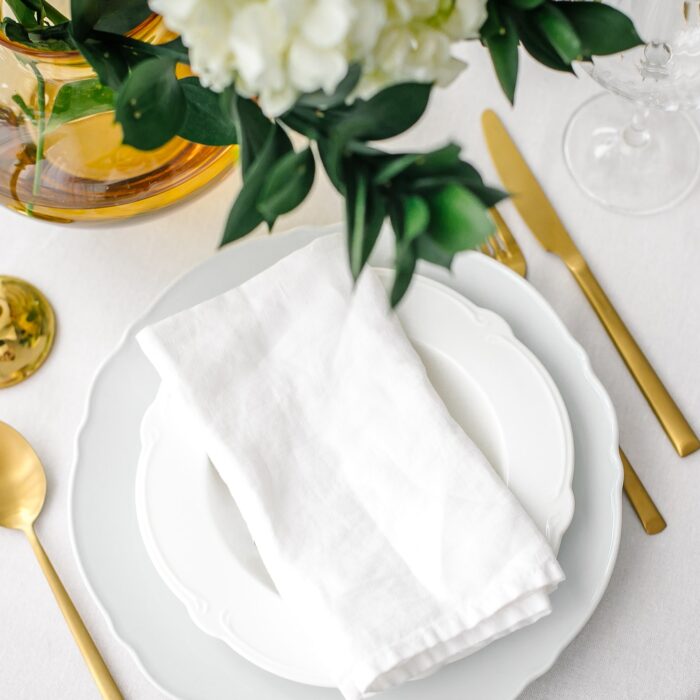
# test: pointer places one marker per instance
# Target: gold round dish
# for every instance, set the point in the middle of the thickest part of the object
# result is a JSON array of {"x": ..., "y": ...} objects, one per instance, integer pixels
[{"x": 27, "y": 330}]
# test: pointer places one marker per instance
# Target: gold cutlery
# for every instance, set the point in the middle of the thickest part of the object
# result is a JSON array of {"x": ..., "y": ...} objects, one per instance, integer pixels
[
  {"x": 538, "y": 213},
  {"x": 22, "y": 493},
  {"x": 503, "y": 247}
]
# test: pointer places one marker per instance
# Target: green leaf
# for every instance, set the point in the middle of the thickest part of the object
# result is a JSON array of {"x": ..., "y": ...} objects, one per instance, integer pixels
[
  {"x": 26, "y": 109},
  {"x": 24, "y": 13},
  {"x": 394, "y": 165},
  {"x": 322, "y": 101},
  {"x": 388, "y": 113},
  {"x": 365, "y": 213},
  {"x": 244, "y": 216},
  {"x": 84, "y": 16},
  {"x": 14, "y": 31},
  {"x": 205, "y": 121},
  {"x": 538, "y": 47},
  {"x": 602, "y": 29},
  {"x": 503, "y": 48},
  {"x": 136, "y": 51},
  {"x": 560, "y": 33},
  {"x": 51, "y": 38},
  {"x": 494, "y": 21},
  {"x": 416, "y": 217},
  {"x": 489, "y": 196},
  {"x": 53, "y": 14},
  {"x": 405, "y": 266},
  {"x": 113, "y": 16},
  {"x": 80, "y": 99},
  {"x": 306, "y": 121},
  {"x": 151, "y": 104},
  {"x": 287, "y": 184},
  {"x": 121, "y": 16},
  {"x": 431, "y": 251},
  {"x": 107, "y": 60},
  {"x": 525, "y": 4},
  {"x": 253, "y": 129},
  {"x": 458, "y": 220},
  {"x": 436, "y": 162},
  {"x": 331, "y": 157}
]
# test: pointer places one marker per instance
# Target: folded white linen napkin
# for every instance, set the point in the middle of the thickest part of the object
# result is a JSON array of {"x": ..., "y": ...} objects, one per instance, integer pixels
[{"x": 380, "y": 522}]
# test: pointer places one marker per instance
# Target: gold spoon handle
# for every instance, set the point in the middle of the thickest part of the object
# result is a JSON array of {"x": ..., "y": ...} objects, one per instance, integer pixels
[{"x": 98, "y": 668}]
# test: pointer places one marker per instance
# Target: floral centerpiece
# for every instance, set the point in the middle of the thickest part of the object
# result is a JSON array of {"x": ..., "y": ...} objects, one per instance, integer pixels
[{"x": 345, "y": 74}]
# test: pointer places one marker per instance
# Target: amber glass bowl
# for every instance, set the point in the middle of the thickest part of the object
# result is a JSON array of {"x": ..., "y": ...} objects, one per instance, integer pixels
[{"x": 84, "y": 172}]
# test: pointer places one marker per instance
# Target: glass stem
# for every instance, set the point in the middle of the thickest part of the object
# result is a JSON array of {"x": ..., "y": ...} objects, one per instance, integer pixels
[
  {"x": 636, "y": 134},
  {"x": 40, "y": 131}
]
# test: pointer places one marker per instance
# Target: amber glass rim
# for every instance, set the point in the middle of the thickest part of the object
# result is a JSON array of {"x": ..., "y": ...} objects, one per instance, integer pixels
[{"x": 72, "y": 56}]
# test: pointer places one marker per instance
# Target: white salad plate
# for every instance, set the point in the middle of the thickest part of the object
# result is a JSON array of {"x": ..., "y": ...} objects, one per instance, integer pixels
[
  {"x": 493, "y": 386},
  {"x": 186, "y": 663}
]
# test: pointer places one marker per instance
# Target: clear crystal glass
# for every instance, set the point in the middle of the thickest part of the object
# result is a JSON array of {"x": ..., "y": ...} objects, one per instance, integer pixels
[{"x": 636, "y": 149}]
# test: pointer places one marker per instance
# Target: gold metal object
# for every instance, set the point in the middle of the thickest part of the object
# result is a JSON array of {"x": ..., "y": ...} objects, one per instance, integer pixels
[
  {"x": 22, "y": 493},
  {"x": 27, "y": 330},
  {"x": 503, "y": 247},
  {"x": 543, "y": 221},
  {"x": 652, "y": 521}
]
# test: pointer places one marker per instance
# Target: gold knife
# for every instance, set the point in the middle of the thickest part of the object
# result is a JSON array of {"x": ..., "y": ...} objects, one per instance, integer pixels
[{"x": 538, "y": 213}]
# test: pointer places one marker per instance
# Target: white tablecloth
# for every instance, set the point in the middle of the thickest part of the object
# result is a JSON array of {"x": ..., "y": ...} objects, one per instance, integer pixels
[{"x": 643, "y": 640}]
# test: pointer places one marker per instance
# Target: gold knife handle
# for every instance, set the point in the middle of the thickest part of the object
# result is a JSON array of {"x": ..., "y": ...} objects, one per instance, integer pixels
[
  {"x": 672, "y": 420},
  {"x": 652, "y": 521}
]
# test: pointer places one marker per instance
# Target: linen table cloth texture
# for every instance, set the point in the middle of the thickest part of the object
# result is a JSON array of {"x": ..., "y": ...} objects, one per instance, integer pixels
[{"x": 381, "y": 523}]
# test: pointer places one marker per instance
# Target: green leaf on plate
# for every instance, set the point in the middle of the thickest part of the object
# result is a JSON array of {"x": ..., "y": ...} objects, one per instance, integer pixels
[
  {"x": 80, "y": 99},
  {"x": 458, "y": 220},
  {"x": 205, "y": 121},
  {"x": 287, "y": 184},
  {"x": 151, "y": 104}
]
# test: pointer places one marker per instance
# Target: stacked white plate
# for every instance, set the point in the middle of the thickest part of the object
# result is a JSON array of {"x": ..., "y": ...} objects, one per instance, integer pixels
[{"x": 169, "y": 558}]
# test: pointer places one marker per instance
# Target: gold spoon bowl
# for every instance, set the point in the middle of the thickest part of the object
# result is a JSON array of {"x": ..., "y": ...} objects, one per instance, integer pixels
[{"x": 22, "y": 494}]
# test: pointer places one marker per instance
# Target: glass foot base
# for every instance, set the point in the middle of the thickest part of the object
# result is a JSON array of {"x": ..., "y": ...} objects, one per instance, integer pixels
[
  {"x": 27, "y": 330},
  {"x": 640, "y": 169}
]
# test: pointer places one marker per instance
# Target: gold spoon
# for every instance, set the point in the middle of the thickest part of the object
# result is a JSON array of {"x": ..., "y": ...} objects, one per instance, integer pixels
[{"x": 22, "y": 493}]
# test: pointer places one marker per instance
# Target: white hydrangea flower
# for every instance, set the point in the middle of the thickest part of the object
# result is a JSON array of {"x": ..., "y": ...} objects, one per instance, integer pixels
[{"x": 277, "y": 49}]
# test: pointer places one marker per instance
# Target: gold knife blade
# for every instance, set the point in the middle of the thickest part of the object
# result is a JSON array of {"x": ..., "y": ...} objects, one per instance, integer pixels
[{"x": 544, "y": 222}]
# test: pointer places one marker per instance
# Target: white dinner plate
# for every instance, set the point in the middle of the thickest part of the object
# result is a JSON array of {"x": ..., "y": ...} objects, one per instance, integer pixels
[
  {"x": 188, "y": 664},
  {"x": 493, "y": 387}
]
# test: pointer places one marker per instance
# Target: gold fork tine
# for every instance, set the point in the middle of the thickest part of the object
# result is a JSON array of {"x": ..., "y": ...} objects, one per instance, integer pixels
[
  {"x": 503, "y": 247},
  {"x": 515, "y": 257}
]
